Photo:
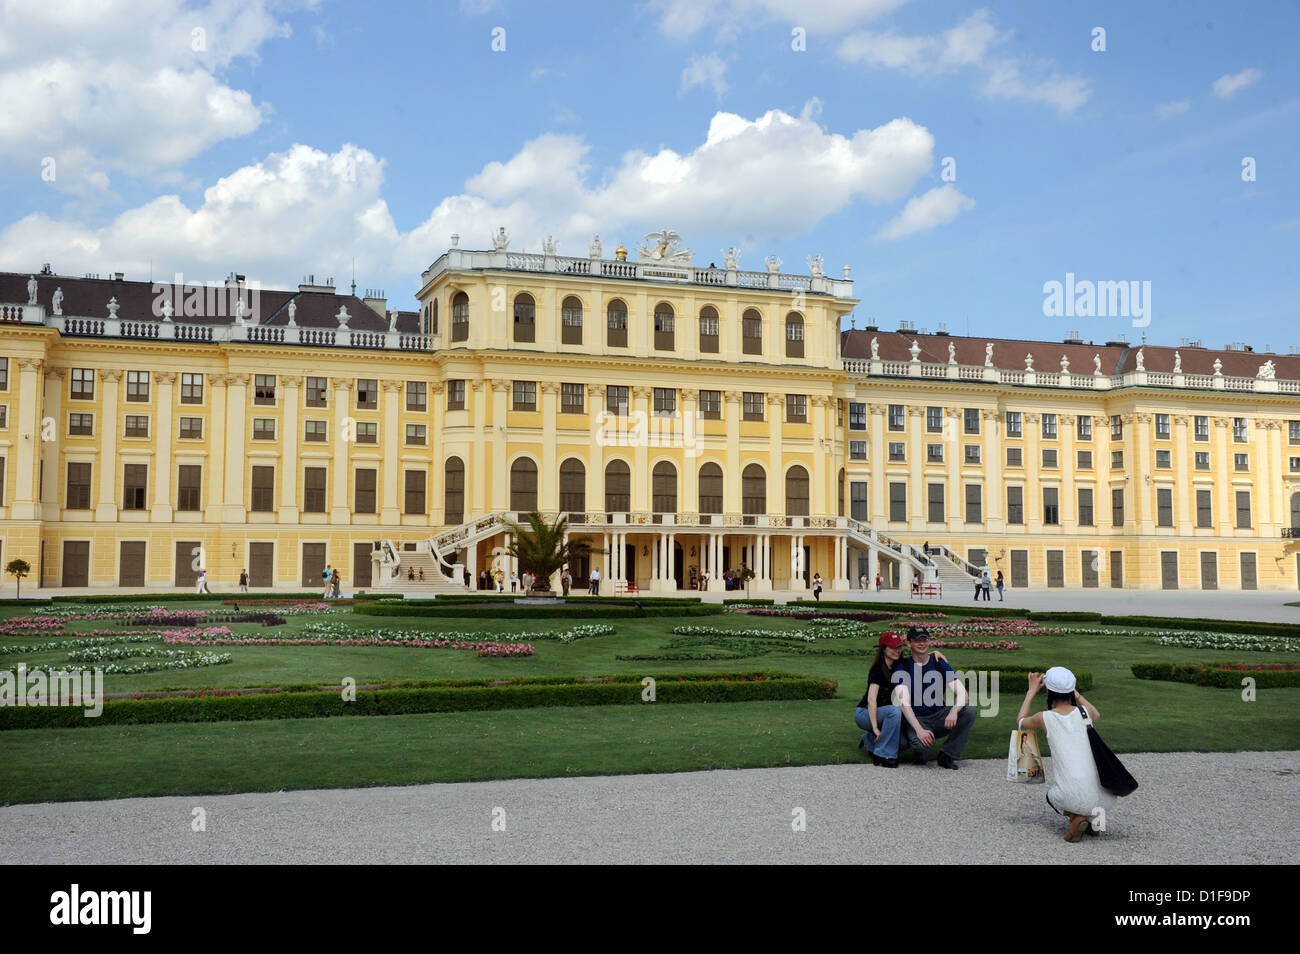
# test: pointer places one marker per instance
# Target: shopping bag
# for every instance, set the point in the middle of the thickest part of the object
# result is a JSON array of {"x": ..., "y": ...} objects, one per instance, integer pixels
[{"x": 1024, "y": 759}]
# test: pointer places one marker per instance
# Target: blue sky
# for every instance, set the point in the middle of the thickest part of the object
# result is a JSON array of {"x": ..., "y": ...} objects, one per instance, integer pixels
[{"x": 283, "y": 139}]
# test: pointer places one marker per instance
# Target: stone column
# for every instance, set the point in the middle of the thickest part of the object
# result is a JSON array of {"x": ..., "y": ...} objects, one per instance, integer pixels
[
  {"x": 1226, "y": 504},
  {"x": 1069, "y": 492},
  {"x": 216, "y": 470},
  {"x": 106, "y": 508},
  {"x": 548, "y": 485},
  {"x": 1140, "y": 468},
  {"x": 994, "y": 492},
  {"x": 731, "y": 481},
  {"x": 690, "y": 438},
  {"x": 47, "y": 495},
  {"x": 823, "y": 477},
  {"x": 1033, "y": 474},
  {"x": 27, "y": 459},
  {"x": 599, "y": 434},
  {"x": 390, "y": 509},
  {"x": 917, "y": 493},
  {"x": 434, "y": 484},
  {"x": 500, "y": 463},
  {"x": 234, "y": 510},
  {"x": 1185, "y": 491},
  {"x": 879, "y": 461},
  {"x": 776, "y": 453},
  {"x": 291, "y": 395},
  {"x": 955, "y": 453},
  {"x": 161, "y": 510},
  {"x": 1265, "y": 430},
  {"x": 340, "y": 505}
]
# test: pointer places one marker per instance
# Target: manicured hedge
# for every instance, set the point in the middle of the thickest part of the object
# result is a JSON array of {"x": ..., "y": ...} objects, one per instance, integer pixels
[
  {"x": 731, "y": 602},
  {"x": 620, "y": 610},
  {"x": 445, "y": 696},
  {"x": 1016, "y": 678},
  {"x": 188, "y": 597},
  {"x": 1215, "y": 675},
  {"x": 448, "y": 599},
  {"x": 26, "y": 602},
  {"x": 915, "y": 606},
  {"x": 1204, "y": 625}
]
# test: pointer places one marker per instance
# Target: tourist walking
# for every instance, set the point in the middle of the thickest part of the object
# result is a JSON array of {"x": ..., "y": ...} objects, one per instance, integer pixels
[
  {"x": 501, "y": 580},
  {"x": 337, "y": 581},
  {"x": 201, "y": 584},
  {"x": 879, "y": 582},
  {"x": 243, "y": 582},
  {"x": 514, "y": 581},
  {"x": 1000, "y": 586},
  {"x": 327, "y": 581},
  {"x": 595, "y": 582},
  {"x": 986, "y": 583},
  {"x": 566, "y": 581},
  {"x": 421, "y": 577},
  {"x": 817, "y": 586}
]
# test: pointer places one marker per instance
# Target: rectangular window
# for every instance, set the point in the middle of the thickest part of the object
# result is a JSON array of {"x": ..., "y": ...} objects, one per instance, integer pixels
[
  {"x": 1116, "y": 459},
  {"x": 1294, "y": 464},
  {"x": 1202, "y": 460},
  {"x": 456, "y": 395},
  {"x": 83, "y": 384},
  {"x": 263, "y": 428},
  {"x": 1239, "y": 430},
  {"x": 858, "y": 505},
  {"x": 1117, "y": 507},
  {"x": 137, "y": 425},
  {"x": 367, "y": 432},
  {"x": 137, "y": 386},
  {"x": 934, "y": 420},
  {"x": 191, "y": 389},
  {"x": 972, "y": 453},
  {"x": 572, "y": 398},
  {"x": 317, "y": 391},
  {"x": 1116, "y": 427},
  {"x": 897, "y": 451},
  {"x": 192, "y": 428},
  {"x": 1164, "y": 507},
  {"x": 752, "y": 405},
  {"x": 1049, "y": 427},
  {"x": 857, "y": 450},
  {"x": 1293, "y": 432},
  {"x": 1202, "y": 428},
  {"x": 857, "y": 416},
  {"x": 896, "y": 418},
  {"x": 934, "y": 453},
  {"x": 78, "y": 486},
  {"x": 1015, "y": 423},
  {"x": 1016, "y": 505},
  {"x": 898, "y": 503},
  {"x": 1051, "y": 507},
  {"x": 264, "y": 389},
  {"x": 316, "y": 430},
  {"x": 665, "y": 402},
  {"x": 415, "y": 435},
  {"x": 1243, "y": 509},
  {"x": 82, "y": 425},
  {"x": 1083, "y": 428},
  {"x": 1084, "y": 460},
  {"x": 974, "y": 503},
  {"x": 935, "y": 500},
  {"x": 367, "y": 394},
  {"x": 263, "y": 490},
  {"x": 1015, "y": 457},
  {"x": 525, "y": 396},
  {"x": 1162, "y": 427},
  {"x": 135, "y": 480},
  {"x": 796, "y": 408},
  {"x": 189, "y": 487},
  {"x": 4, "y": 374},
  {"x": 1049, "y": 458},
  {"x": 711, "y": 405},
  {"x": 414, "y": 496},
  {"x": 313, "y": 490},
  {"x": 4, "y": 416},
  {"x": 365, "y": 490},
  {"x": 417, "y": 396},
  {"x": 971, "y": 420},
  {"x": 1241, "y": 462},
  {"x": 1204, "y": 509},
  {"x": 1164, "y": 459},
  {"x": 1085, "y": 506},
  {"x": 617, "y": 399}
]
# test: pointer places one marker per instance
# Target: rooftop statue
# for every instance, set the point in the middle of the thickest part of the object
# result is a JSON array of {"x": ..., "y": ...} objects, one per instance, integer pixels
[
  {"x": 731, "y": 258},
  {"x": 57, "y": 301},
  {"x": 988, "y": 354},
  {"x": 1267, "y": 371},
  {"x": 501, "y": 240},
  {"x": 664, "y": 247}
]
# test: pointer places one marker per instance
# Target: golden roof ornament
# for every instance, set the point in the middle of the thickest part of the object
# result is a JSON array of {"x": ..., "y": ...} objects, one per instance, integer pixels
[{"x": 620, "y": 253}]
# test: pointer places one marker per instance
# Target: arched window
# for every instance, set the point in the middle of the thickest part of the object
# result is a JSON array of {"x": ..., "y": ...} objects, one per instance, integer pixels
[
  {"x": 460, "y": 317},
  {"x": 753, "y": 492},
  {"x": 710, "y": 488},
  {"x": 453, "y": 492},
  {"x": 663, "y": 326},
  {"x": 523, "y": 485},
  {"x": 616, "y": 324},
  {"x": 525, "y": 318},
  {"x": 432, "y": 327},
  {"x": 618, "y": 487},
  {"x": 752, "y": 332},
  {"x": 663, "y": 484},
  {"x": 571, "y": 321},
  {"x": 573, "y": 488},
  {"x": 794, "y": 335},
  {"x": 796, "y": 492},
  {"x": 708, "y": 330}
]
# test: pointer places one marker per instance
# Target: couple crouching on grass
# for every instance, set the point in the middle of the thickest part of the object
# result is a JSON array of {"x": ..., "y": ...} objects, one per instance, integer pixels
[{"x": 904, "y": 703}]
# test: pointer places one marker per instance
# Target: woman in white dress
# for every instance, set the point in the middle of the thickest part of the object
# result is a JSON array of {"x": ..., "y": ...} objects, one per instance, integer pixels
[{"x": 1076, "y": 791}]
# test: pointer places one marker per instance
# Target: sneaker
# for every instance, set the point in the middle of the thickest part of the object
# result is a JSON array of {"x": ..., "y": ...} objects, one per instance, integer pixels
[
  {"x": 947, "y": 761},
  {"x": 889, "y": 763}
]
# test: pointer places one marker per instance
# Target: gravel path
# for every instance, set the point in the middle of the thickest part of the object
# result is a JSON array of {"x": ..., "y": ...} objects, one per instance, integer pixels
[{"x": 1236, "y": 808}]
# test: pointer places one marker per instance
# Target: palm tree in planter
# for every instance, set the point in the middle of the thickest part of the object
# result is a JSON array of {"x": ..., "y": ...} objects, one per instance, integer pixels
[
  {"x": 18, "y": 569},
  {"x": 542, "y": 548}
]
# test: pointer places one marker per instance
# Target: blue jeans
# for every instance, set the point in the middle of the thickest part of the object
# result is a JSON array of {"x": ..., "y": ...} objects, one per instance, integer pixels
[{"x": 890, "y": 720}]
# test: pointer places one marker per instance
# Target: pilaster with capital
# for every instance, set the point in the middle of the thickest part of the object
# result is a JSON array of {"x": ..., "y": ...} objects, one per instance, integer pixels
[
  {"x": 393, "y": 439},
  {"x": 994, "y": 492},
  {"x": 291, "y": 390},
  {"x": 27, "y": 440},
  {"x": 106, "y": 506},
  {"x": 731, "y": 485},
  {"x": 233, "y": 509},
  {"x": 161, "y": 508},
  {"x": 340, "y": 507}
]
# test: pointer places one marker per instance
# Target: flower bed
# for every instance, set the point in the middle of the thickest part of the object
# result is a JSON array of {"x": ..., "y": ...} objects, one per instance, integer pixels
[
  {"x": 157, "y": 660},
  {"x": 406, "y": 640},
  {"x": 1223, "y": 675},
  {"x": 1196, "y": 639}
]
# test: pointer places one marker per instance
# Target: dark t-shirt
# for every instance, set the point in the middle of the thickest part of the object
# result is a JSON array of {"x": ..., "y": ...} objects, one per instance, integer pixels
[
  {"x": 879, "y": 676},
  {"x": 925, "y": 683}
]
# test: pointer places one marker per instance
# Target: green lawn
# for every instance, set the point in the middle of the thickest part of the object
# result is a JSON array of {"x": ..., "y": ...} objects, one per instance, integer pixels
[{"x": 117, "y": 761}]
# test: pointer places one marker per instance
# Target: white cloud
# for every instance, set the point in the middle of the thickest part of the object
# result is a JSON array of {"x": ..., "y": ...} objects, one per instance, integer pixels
[
  {"x": 307, "y": 210},
  {"x": 1229, "y": 85},
  {"x": 937, "y": 207},
  {"x": 1170, "y": 110},
  {"x": 968, "y": 45},
  {"x": 709, "y": 70},
  {"x": 682, "y": 19},
  {"x": 125, "y": 85}
]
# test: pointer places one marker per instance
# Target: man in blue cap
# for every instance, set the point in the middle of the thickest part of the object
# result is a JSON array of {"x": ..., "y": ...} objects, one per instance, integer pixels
[{"x": 926, "y": 679}]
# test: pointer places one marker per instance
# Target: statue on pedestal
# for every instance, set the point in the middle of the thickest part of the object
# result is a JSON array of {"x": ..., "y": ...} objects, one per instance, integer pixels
[
  {"x": 57, "y": 301},
  {"x": 500, "y": 241},
  {"x": 875, "y": 350},
  {"x": 31, "y": 289}
]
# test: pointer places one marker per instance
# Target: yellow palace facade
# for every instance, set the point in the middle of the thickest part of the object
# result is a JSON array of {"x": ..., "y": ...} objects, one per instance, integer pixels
[{"x": 692, "y": 420}]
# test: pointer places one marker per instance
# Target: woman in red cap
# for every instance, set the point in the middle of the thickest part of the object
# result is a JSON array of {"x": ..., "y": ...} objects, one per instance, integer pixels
[{"x": 876, "y": 713}]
